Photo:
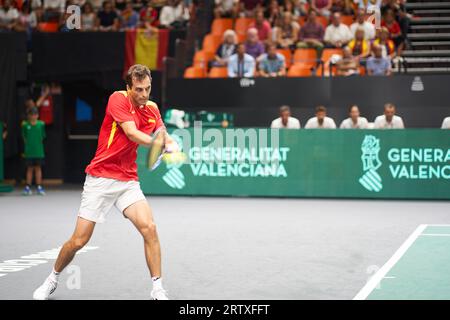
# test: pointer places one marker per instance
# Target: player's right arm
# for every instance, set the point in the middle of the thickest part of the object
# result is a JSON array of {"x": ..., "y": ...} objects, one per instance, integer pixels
[{"x": 134, "y": 134}]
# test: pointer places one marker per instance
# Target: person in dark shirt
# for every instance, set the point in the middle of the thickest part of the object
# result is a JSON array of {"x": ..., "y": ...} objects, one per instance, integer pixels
[{"x": 107, "y": 18}]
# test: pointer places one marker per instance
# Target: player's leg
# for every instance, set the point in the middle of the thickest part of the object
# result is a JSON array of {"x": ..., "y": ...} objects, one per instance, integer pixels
[
  {"x": 83, "y": 232},
  {"x": 140, "y": 214}
]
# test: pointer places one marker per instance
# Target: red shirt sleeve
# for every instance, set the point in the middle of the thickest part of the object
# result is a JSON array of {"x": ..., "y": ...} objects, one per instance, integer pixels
[{"x": 119, "y": 108}]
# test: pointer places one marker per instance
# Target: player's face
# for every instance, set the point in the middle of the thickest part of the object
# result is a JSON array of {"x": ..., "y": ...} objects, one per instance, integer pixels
[
  {"x": 285, "y": 116},
  {"x": 389, "y": 113},
  {"x": 321, "y": 115},
  {"x": 354, "y": 113},
  {"x": 140, "y": 91}
]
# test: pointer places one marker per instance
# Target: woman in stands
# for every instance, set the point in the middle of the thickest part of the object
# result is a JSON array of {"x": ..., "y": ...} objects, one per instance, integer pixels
[
  {"x": 226, "y": 49},
  {"x": 286, "y": 33}
]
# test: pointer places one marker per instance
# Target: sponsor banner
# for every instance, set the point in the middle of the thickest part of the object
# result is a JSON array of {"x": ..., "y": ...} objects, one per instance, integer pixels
[{"x": 402, "y": 164}]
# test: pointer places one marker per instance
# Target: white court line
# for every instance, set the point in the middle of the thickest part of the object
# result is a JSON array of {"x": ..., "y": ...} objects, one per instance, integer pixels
[
  {"x": 436, "y": 234},
  {"x": 377, "y": 277},
  {"x": 438, "y": 225}
]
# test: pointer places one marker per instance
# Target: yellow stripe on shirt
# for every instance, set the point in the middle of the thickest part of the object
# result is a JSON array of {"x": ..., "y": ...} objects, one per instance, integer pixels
[{"x": 113, "y": 131}]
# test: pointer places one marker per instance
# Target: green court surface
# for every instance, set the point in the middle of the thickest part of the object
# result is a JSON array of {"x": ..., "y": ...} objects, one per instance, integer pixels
[{"x": 419, "y": 269}]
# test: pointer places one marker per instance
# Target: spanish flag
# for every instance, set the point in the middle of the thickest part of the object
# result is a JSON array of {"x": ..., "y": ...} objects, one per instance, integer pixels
[{"x": 146, "y": 47}]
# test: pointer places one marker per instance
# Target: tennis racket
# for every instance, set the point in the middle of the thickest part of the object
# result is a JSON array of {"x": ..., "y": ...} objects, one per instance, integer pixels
[{"x": 158, "y": 152}]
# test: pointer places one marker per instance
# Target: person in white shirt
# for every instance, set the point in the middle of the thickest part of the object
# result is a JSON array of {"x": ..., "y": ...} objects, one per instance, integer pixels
[
  {"x": 8, "y": 16},
  {"x": 241, "y": 64},
  {"x": 361, "y": 23},
  {"x": 285, "y": 121},
  {"x": 354, "y": 121},
  {"x": 320, "y": 121},
  {"x": 388, "y": 120},
  {"x": 337, "y": 34},
  {"x": 446, "y": 123},
  {"x": 175, "y": 12}
]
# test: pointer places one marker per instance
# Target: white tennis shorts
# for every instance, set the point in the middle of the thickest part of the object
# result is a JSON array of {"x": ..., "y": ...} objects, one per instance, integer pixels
[{"x": 101, "y": 194}]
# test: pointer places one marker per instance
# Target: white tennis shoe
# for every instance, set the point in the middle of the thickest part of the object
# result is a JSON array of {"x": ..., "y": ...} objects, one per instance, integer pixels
[
  {"x": 159, "y": 294},
  {"x": 45, "y": 290}
]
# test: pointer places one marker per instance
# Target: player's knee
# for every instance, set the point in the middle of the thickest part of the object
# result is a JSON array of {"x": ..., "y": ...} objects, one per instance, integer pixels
[
  {"x": 149, "y": 231},
  {"x": 78, "y": 243}
]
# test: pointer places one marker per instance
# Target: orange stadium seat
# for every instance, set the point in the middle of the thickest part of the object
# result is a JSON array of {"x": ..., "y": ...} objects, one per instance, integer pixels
[
  {"x": 218, "y": 72},
  {"x": 299, "y": 70},
  {"x": 211, "y": 42},
  {"x": 194, "y": 72},
  {"x": 220, "y": 25},
  {"x": 242, "y": 24},
  {"x": 202, "y": 57},
  {"x": 48, "y": 26},
  {"x": 287, "y": 56},
  {"x": 306, "y": 56},
  {"x": 348, "y": 20},
  {"x": 241, "y": 37}
]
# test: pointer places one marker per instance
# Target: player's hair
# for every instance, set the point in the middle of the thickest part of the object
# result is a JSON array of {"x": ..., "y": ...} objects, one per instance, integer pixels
[
  {"x": 285, "y": 108},
  {"x": 389, "y": 106},
  {"x": 321, "y": 109},
  {"x": 351, "y": 107},
  {"x": 138, "y": 72}
]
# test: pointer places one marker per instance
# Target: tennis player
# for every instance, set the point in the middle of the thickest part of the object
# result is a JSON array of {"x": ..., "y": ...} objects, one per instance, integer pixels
[{"x": 112, "y": 179}]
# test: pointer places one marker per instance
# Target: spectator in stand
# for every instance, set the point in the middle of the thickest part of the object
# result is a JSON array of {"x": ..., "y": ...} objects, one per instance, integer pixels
[
  {"x": 9, "y": 16},
  {"x": 129, "y": 18},
  {"x": 394, "y": 30},
  {"x": 88, "y": 18},
  {"x": 322, "y": 7},
  {"x": 288, "y": 6},
  {"x": 120, "y": 5},
  {"x": 446, "y": 123},
  {"x": 174, "y": 15},
  {"x": 33, "y": 133},
  {"x": 273, "y": 13},
  {"x": 138, "y": 5},
  {"x": 53, "y": 10},
  {"x": 342, "y": 6},
  {"x": 226, "y": 49},
  {"x": 248, "y": 8},
  {"x": 241, "y": 64},
  {"x": 354, "y": 121},
  {"x": 359, "y": 47},
  {"x": 301, "y": 7},
  {"x": 311, "y": 34},
  {"x": 272, "y": 63},
  {"x": 263, "y": 26},
  {"x": 386, "y": 44},
  {"x": 320, "y": 121},
  {"x": 107, "y": 19},
  {"x": 337, "y": 34},
  {"x": 285, "y": 121},
  {"x": 27, "y": 19},
  {"x": 149, "y": 16},
  {"x": 389, "y": 120},
  {"x": 348, "y": 65},
  {"x": 253, "y": 46},
  {"x": 369, "y": 29},
  {"x": 226, "y": 8},
  {"x": 401, "y": 16},
  {"x": 286, "y": 34},
  {"x": 377, "y": 65}
]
